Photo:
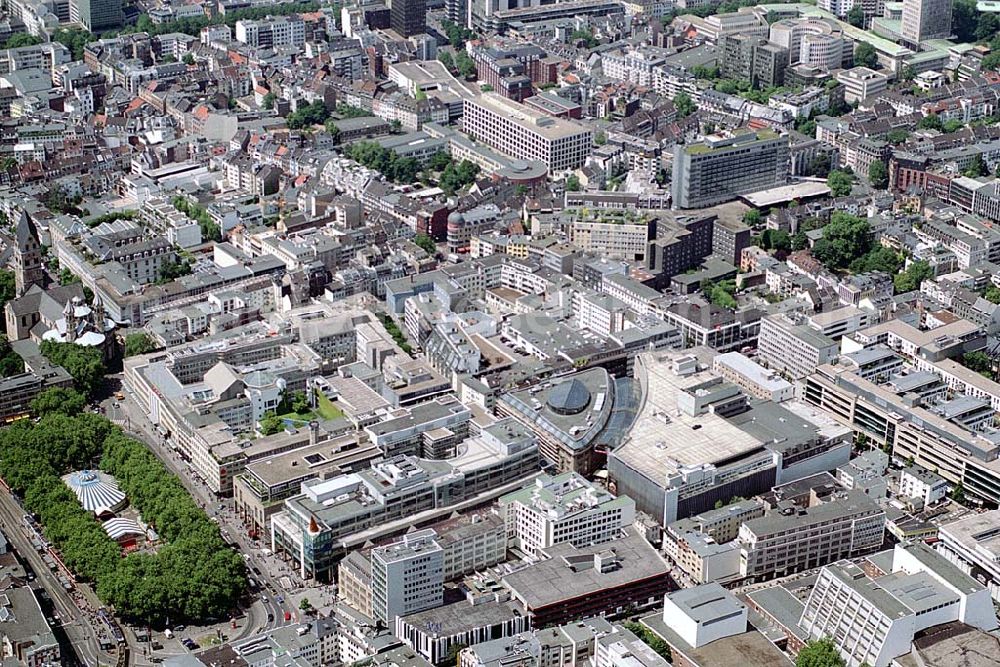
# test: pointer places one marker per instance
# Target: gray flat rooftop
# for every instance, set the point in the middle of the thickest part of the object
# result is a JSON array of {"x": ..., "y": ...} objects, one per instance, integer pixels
[
  {"x": 452, "y": 619},
  {"x": 663, "y": 438},
  {"x": 553, "y": 581}
]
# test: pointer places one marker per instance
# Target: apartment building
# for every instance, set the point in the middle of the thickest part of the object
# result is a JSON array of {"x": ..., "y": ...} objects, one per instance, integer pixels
[
  {"x": 893, "y": 415},
  {"x": 330, "y": 516},
  {"x": 720, "y": 168},
  {"x": 407, "y": 576},
  {"x": 795, "y": 350},
  {"x": 519, "y": 131},
  {"x": 791, "y": 539},
  {"x": 704, "y": 546},
  {"x": 564, "y": 508}
]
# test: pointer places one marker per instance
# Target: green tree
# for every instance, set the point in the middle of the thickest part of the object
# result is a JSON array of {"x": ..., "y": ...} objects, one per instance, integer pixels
[
  {"x": 188, "y": 59},
  {"x": 84, "y": 364},
  {"x": 268, "y": 101},
  {"x": 752, "y": 217},
  {"x": 953, "y": 125},
  {"x": 172, "y": 270},
  {"x": 572, "y": 183},
  {"x": 865, "y": 55},
  {"x": 979, "y": 362},
  {"x": 879, "y": 258},
  {"x": 964, "y": 21},
  {"x": 300, "y": 403},
  {"x": 651, "y": 639},
  {"x": 856, "y": 16},
  {"x": 270, "y": 423},
  {"x": 897, "y": 136},
  {"x": 977, "y": 167},
  {"x": 58, "y": 400},
  {"x": 930, "y": 122},
  {"x": 333, "y": 130},
  {"x": 684, "y": 104},
  {"x": 600, "y": 138},
  {"x": 10, "y": 362},
  {"x": 425, "y": 242},
  {"x": 74, "y": 39},
  {"x": 845, "y": 239},
  {"x": 992, "y": 293},
  {"x": 878, "y": 175},
  {"x": 444, "y": 57},
  {"x": 840, "y": 183},
  {"x": 67, "y": 277},
  {"x": 910, "y": 279},
  {"x": 775, "y": 239},
  {"x": 585, "y": 38},
  {"x": 139, "y": 342},
  {"x": 305, "y": 605},
  {"x": 820, "y": 653},
  {"x": 709, "y": 72},
  {"x": 21, "y": 39},
  {"x": 465, "y": 65},
  {"x": 314, "y": 113},
  {"x": 958, "y": 493}
]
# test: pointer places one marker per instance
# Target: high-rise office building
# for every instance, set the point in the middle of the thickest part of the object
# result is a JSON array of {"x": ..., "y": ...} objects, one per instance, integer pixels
[
  {"x": 408, "y": 17},
  {"x": 97, "y": 14},
  {"x": 753, "y": 59},
  {"x": 720, "y": 168},
  {"x": 407, "y": 576},
  {"x": 925, "y": 19}
]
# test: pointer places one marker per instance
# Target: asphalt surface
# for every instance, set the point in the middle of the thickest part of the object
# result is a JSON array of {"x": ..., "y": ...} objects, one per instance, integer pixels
[
  {"x": 74, "y": 622},
  {"x": 271, "y": 599}
]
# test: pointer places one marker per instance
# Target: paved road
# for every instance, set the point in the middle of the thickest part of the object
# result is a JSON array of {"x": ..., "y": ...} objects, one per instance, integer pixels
[
  {"x": 79, "y": 632},
  {"x": 264, "y": 570}
]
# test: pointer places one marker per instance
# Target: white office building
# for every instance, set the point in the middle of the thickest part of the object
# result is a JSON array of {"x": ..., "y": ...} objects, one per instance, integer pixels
[
  {"x": 407, "y": 576},
  {"x": 874, "y": 620},
  {"x": 564, "y": 508},
  {"x": 521, "y": 132}
]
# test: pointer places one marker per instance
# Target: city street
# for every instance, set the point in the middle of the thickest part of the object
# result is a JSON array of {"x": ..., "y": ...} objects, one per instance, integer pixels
[
  {"x": 75, "y": 622},
  {"x": 278, "y": 587}
]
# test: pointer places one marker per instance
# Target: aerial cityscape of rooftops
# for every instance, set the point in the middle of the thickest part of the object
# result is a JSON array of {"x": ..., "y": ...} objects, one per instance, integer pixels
[{"x": 479, "y": 333}]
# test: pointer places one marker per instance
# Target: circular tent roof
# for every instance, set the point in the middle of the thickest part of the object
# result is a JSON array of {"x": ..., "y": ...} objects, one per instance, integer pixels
[
  {"x": 95, "y": 490},
  {"x": 569, "y": 398}
]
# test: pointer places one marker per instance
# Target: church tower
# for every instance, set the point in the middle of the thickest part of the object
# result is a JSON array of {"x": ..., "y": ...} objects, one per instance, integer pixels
[{"x": 27, "y": 257}]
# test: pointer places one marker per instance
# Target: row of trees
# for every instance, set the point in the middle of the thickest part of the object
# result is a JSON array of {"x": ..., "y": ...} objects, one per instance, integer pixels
[
  {"x": 461, "y": 63},
  {"x": 192, "y": 577}
]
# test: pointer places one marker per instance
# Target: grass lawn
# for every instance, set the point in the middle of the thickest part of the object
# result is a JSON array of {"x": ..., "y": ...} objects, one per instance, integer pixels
[
  {"x": 326, "y": 408},
  {"x": 296, "y": 417}
]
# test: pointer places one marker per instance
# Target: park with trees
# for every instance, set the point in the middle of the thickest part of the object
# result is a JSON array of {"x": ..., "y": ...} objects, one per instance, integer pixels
[{"x": 193, "y": 575}]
